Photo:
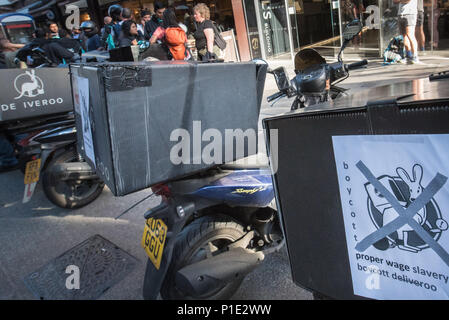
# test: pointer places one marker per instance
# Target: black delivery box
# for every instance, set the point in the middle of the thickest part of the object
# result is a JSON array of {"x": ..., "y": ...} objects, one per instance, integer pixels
[
  {"x": 33, "y": 93},
  {"x": 345, "y": 174},
  {"x": 142, "y": 123}
]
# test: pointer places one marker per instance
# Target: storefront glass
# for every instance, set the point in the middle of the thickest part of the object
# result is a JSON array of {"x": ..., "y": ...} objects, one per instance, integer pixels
[
  {"x": 318, "y": 25},
  {"x": 252, "y": 26},
  {"x": 275, "y": 31},
  {"x": 436, "y": 24}
]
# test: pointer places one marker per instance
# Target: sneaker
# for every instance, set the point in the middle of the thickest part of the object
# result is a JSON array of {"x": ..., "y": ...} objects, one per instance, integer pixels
[
  {"x": 403, "y": 61},
  {"x": 414, "y": 60}
]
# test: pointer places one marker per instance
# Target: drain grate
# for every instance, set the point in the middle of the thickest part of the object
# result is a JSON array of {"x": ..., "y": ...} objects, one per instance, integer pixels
[{"x": 101, "y": 265}]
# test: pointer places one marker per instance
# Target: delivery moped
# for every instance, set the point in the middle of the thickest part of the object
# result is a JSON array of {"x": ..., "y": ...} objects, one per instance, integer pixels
[{"x": 215, "y": 227}]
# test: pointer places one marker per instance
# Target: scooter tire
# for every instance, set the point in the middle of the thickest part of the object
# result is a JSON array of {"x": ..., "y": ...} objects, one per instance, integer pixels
[
  {"x": 63, "y": 199},
  {"x": 218, "y": 228}
]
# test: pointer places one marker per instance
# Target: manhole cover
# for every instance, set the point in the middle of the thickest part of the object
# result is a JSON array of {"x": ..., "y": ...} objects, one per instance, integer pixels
[{"x": 101, "y": 265}]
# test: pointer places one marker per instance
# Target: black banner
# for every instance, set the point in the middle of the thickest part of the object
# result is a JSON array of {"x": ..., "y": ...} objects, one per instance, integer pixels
[{"x": 27, "y": 93}]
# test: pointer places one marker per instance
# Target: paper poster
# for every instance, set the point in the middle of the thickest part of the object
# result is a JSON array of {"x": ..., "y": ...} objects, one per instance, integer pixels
[
  {"x": 394, "y": 193},
  {"x": 83, "y": 98}
]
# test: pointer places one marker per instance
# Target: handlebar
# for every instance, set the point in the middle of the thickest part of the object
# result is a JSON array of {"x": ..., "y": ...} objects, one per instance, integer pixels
[
  {"x": 356, "y": 65},
  {"x": 275, "y": 96}
]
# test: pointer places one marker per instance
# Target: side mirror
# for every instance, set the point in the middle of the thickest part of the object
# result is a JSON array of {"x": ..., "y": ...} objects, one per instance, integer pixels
[
  {"x": 352, "y": 29},
  {"x": 280, "y": 75}
]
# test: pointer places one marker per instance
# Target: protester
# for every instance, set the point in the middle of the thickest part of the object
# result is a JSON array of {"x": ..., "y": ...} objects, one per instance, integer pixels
[
  {"x": 76, "y": 32},
  {"x": 407, "y": 16},
  {"x": 106, "y": 21},
  {"x": 55, "y": 50},
  {"x": 126, "y": 15},
  {"x": 54, "y": 30},
  {"x": 8, "y": 52},
  {"x": 145, "y": 16},
  {"x": 156, "y": 20},
  {"x": 141, "y": 25},
  {"x": 112, "y": 31},
  {"x": 90, "y": 29},
  {"x": 172, "y": 35},
  {"x": 129, "y": 35},
  {"x": 205, "y": 35},
  {"x": 107, "y": 37}
]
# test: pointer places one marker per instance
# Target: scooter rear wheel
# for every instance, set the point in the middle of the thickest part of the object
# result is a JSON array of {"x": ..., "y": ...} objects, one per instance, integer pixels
[
  {"x": 192, "y": 245},
  {"x": 69, "y": 194}
]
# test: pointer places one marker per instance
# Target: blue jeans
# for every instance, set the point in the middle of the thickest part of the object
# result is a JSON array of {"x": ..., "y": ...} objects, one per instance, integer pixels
[{"x": 7, "y": 157}]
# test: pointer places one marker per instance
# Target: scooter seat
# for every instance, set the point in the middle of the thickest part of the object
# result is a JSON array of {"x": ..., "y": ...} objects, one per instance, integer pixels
[{"x": 256, "y": 161}]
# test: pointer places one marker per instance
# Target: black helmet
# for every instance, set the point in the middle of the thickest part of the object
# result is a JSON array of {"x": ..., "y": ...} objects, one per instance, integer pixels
[
  {"x": 89, "y": 28},
  {"x": 115, "y": 11}
]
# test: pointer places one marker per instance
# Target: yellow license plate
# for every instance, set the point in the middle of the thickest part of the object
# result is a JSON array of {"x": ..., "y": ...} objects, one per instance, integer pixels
[
  {"x": 153, "y": 240},
  {"x": 32, "y": 171}
]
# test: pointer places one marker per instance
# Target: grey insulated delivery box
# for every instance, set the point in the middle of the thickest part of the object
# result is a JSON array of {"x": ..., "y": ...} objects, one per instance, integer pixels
[{"x": 143, "y": 123}]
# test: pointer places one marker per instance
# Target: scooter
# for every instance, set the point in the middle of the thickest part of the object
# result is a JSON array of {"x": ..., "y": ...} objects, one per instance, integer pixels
[
  {"x": 45, "y": 148},
  {"x": 213, "y": 228},
  {"x": 210, "y": 231},
  {"x": 316, "y": 81}
]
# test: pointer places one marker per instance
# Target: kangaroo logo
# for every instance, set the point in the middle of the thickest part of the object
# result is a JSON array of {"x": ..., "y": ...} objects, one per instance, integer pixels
[
  {"x": 406, "y": 190},
  {"x": 26, "y": 88}
]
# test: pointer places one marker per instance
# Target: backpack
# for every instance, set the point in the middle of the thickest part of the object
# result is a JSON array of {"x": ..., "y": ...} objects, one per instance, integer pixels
[
  {"x": 219, "y": 41},
  {"x": 395, "y": 50},
  {"x": 176, "y": 40}
]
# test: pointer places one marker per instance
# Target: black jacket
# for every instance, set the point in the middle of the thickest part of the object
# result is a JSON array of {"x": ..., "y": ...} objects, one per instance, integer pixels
[
  {"x": 126, "y": 41},
  {"x": 151, "y": 26}
]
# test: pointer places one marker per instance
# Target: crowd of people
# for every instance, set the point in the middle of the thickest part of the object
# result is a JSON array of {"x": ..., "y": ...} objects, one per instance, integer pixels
[{"x": 121, "y": 30}]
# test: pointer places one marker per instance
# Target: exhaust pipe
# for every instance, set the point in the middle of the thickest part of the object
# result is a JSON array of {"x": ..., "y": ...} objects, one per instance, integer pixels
[
  {"x": 73, "y": 171},
  {"x": 206, "y": 275}
]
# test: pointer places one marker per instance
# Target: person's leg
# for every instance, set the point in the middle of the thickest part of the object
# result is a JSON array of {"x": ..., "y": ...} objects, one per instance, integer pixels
[
  {"x": 412, "y": 54},
  {"x": 419, "y": 31},
  {"x": 7, "y": 158},
  {"x": 410, "y": 31},
  {"x": 402, "y": 24}
]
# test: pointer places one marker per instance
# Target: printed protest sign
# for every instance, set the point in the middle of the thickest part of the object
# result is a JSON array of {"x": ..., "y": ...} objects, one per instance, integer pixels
[
  {"x": 395, "y": 203},
  {"x": 82, "y": 104}
]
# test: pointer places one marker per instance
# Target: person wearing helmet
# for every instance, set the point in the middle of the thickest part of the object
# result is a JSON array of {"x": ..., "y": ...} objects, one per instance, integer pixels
[
  {"x": 111, "y": 34},
  {"x": 90, "y": 30}
]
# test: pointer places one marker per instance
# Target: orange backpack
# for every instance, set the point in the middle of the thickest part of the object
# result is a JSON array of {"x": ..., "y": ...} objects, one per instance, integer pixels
[{"x": 176, "y": 40}]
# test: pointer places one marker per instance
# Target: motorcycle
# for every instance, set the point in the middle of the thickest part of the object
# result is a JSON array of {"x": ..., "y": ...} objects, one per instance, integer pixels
[
  {"x": 44, "y": 148},
  {"x": 316, "y": 80}
]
